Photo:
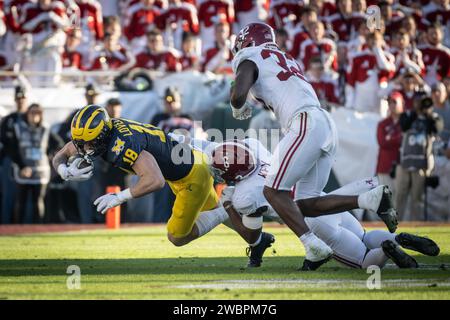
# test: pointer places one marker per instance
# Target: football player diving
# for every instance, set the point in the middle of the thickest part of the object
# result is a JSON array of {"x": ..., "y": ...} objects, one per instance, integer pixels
[{"x": 155, "y": 158}]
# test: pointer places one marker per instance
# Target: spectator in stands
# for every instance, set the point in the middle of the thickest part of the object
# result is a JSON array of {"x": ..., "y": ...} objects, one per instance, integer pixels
[
  {"x": 389, "y": 136},
  {"x": 32, "y": 170},
  {"x": 345, "y": 22},
  {"x": 9, "y": 152},
  {"x": 211, "y": 12},
  {"x": 112, "y": 26},
  {"x": 155, "y": 56},
  {"x": 408, "y": 83},
  {"x": 284, "y": 14},
  {"x": 141, "y": 18},
  {"x": 72, "y": 58},
  {"x": 112, "y": 56},
  {"x": 318, "y": 45},
  {"x": 406, "y": 56},
  {"x": 179, "y": 17},
  {"x": 438, "y": 11},
  {"x": 441, "y": 105},
  {"x": 436, "y": 56},
  {"x": 392, "y": 18},
  {"x": 189, "y": 58},
  {"x": 410, "y": 26},
  {"x": 91, "y": 23},
  {"x": 324, "y": 82},
  {"x": 45, "y": 21},
  {"x": 247, "y": 11},
  {"x": 282, "y": 39},
  {"x": 420, "y": 128},
  {"x": 302, "y": 32},
  {"x": 218, "y": 59},
  {"x": 368, "y": 72}
]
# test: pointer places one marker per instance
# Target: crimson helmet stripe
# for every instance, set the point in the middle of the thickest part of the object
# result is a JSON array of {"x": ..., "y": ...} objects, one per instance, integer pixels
[{"x": 287, "y": 158}]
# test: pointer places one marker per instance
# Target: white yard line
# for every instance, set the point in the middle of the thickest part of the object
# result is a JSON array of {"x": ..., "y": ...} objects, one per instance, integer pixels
[{"x": 295, "y": 283}]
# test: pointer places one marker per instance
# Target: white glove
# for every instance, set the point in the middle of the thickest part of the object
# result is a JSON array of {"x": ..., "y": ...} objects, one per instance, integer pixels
[
  {"x": 112, "y": 200},
  {"x": 243, "y": 113},
  {"x": 72, "y": 172},
  {"x": 227, "y": 194}
]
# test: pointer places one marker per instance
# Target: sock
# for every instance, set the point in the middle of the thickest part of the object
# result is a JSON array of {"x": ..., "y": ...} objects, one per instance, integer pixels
[
  {"x": 208, "y": 220},
  {"x": 375, "y": 257},
  {"x": 257, "y": 241},
  {"x": 374, "y": 238},
  {"x": 357, "y": 187},
  {"x": 306, "y": 238}
]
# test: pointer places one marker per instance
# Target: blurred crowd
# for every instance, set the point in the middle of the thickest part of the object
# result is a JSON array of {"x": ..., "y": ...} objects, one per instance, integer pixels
[{"x": 388, "y": 57}]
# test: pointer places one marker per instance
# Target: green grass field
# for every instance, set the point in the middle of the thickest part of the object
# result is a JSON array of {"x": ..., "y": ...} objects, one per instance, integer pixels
[{"x": 139, "y": 263}]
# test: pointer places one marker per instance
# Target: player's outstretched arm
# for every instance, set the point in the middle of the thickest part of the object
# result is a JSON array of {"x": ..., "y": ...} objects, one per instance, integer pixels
[
  {"x": 150, "y": 179},
  {"x": 249, "y": 235},
  {"x": 150, "y": 176},
  {"x": 246, "y": 76},
  {"x": 63, "y": 155}
]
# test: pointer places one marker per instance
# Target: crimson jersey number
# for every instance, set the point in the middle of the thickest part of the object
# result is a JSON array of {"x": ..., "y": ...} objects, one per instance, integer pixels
[{"x": 282, "y": 62}]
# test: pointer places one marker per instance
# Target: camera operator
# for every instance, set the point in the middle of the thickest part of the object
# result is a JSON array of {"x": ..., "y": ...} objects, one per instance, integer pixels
[{"x": 420, "y": 127}]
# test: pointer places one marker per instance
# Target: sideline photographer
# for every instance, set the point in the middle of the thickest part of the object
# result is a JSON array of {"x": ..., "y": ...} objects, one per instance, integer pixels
[{"x": 420, "y": 127}]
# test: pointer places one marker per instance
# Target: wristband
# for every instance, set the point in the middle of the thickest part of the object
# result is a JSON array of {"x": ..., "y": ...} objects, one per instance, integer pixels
[{"x": 124, "y": 195}]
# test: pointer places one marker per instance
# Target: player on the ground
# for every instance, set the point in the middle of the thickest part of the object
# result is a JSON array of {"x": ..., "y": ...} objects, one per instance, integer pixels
[
  {"x": 304, "y": 156},
  {"x": 247, "y": 163},
  {"x": 155, "y": 157}
]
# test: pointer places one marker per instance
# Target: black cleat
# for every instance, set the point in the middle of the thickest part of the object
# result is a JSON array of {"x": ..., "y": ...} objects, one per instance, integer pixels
[
  {"x": 256, "y": 253},
  {"x": 386, "y": 210},
  {"x": 420, "y": 244},
  {"x": 400, "y": 257},
  {"x": 309, "y": 265}
]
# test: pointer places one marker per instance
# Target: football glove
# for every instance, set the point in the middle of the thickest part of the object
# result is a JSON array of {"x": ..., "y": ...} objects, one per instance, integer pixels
[
  {"x": 73, "y": 173},
  {"x": 243, "y": 113},
  {"x": 227, "y": 194},
  {"x": 112, "y": 200}
]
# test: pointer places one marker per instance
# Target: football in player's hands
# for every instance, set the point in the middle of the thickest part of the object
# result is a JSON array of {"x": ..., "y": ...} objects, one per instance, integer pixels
[{"x": 85, "y": 162}]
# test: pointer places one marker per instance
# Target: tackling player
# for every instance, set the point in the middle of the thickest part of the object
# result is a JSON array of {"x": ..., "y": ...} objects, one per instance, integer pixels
[
  {"x": 155, "y": 157},
  {"x": 304, "y": 156},
  {"x": 246, "y": 163}
]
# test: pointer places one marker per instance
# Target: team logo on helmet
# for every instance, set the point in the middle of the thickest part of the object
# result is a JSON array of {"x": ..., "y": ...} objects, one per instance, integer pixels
[{"x": 232, "y": 161}]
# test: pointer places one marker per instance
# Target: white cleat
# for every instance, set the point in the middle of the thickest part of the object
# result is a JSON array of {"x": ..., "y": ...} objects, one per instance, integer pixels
[{"x": 379, "y": 200}]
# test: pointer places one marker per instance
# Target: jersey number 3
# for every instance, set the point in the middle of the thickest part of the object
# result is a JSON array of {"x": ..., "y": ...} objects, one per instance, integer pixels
[{"x": 282, "y": 62}]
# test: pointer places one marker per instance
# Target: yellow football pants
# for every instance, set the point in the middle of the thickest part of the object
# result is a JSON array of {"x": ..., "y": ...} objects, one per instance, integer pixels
[{"x": 194, "y": 193}]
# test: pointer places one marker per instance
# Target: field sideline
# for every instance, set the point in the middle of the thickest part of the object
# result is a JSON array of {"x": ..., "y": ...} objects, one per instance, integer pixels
[{"x": 140, "y": 263}]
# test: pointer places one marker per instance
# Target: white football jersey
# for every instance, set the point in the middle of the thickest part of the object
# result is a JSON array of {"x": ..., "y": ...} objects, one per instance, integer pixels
[
  {"x": 281, "y": 84},
  {"x": 248, "y": 194}
]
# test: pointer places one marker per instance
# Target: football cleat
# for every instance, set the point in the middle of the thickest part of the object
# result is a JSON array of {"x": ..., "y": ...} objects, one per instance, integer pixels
[
  {"x": 309, "y": 265},
  {"x": 380, "y": 200},
  {"x": 256, "y": 253},
  {"x": 420, "y": 244},
  {"x": 398, "y": 256}
]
